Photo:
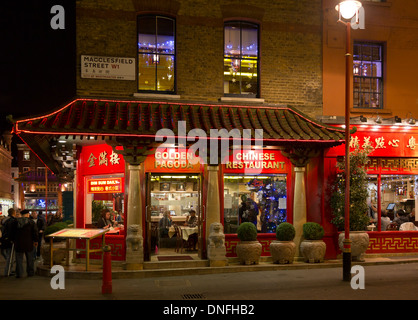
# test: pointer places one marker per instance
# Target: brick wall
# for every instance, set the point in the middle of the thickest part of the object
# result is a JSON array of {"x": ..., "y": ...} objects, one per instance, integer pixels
[{"x": 290, "y": 46}]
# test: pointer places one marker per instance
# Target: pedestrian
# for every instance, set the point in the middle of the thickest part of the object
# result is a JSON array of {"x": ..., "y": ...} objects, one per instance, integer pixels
[
  {"x": 40, "y": 224},
  {"x": 26, "y": 240},
  {"x": 7, "y": 239}
]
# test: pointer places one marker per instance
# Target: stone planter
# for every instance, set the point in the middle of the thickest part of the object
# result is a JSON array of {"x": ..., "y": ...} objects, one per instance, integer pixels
[
  {"x": 249, "y": 252},
  {"x": 359, "y": 244},
  {"x": 313, "y": 250},
  {"x": 282, "y": 252},
  {"x": 59, "y": 254}
]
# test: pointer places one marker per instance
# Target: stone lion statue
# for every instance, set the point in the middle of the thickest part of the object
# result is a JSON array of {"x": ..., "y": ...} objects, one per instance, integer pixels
[
  {"x": 216, "y": 236},
  {"x": 134, "y": 238}
]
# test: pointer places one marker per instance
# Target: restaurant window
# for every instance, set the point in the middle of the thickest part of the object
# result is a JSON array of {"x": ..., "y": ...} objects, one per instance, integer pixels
[
  {"x": 241, "y": 59},
  {"x": 399, "y": 192},
  {"x": 156, "y": 54},
  {"x": 105, "y": 192},
  {"x": 257, "y": 199},
  {"x": 368, "y": 75}
]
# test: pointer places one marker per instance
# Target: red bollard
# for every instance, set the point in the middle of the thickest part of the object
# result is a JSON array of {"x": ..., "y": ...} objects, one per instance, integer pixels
[{"x": 107, "y": 271}]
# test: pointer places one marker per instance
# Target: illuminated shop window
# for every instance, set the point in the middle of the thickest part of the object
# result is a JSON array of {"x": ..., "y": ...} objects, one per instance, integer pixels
[
  {"x": 156, "y": 54},
  {"x": 399, "y": 193},
  {"x": 257, "y": 199},
  {"x": 241, "y": 59},
  {"x": 368, "y": 75}
]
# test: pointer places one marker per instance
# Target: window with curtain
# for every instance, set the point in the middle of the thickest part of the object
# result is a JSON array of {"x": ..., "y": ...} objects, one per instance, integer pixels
[
  {"x": 241, "y": 59},
  {"x": 156, "y": 54}
]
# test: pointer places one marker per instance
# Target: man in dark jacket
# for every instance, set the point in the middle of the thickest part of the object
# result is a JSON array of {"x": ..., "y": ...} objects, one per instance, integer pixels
[
  {"x": 6, "y": 241},
  {"x": 40, "y": 225},
  {"x": 25, "y": 239}
]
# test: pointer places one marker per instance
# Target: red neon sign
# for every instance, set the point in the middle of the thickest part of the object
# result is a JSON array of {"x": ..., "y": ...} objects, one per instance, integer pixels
[{"x": 106, "y": 185}]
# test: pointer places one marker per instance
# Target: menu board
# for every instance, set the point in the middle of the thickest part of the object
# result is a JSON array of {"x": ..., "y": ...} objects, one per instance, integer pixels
[{"x": 77, "y": 233}]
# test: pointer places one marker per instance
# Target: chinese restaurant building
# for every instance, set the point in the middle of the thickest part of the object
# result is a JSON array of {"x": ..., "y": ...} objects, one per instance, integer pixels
[
  {"x": 392, "y": 183},
  {"x": 146, "y": 66},
  {"x": 114, "y": 152},
  {"x": 120, "y": 162}
]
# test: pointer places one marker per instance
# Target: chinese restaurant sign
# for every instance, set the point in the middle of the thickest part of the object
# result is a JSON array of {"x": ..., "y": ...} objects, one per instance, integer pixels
[
  {"x": 384, "y": 144},
  {"x": 169, "y": 159},
  {"x": 107, "y": 185},
  {"x": 100, "y": 159},
  {"x": 257, "y": 161}
]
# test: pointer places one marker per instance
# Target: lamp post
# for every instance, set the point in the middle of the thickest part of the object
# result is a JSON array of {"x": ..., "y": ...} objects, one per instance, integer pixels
[{"x": 347, "y": 9}]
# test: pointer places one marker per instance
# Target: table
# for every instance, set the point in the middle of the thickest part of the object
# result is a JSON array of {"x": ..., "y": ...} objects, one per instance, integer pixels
[
  {"x": 171, "y": 231},
  {"x": 371, "y": 227},
  {"x": 85, "y": 234},
  {"x": 187, "y": 231}
]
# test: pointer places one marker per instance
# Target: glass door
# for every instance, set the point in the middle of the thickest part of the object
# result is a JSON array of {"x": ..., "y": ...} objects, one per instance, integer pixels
[{"x": 173, "y": 201}]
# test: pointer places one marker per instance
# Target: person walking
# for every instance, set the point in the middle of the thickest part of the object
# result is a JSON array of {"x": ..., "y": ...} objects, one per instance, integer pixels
[
  {"x": 7, "y": 240},
  {"x": 40, "y": 224},
  {"x": 25, "y": 239}
]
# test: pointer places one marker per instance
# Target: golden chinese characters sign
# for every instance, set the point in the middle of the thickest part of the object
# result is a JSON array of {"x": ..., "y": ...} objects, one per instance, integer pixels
[
  {"x": 385, "y": 142},
  {"x": 100, "y": 159}
]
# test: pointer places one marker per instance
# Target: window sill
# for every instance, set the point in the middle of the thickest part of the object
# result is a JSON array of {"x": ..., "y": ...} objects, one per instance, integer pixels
[
  {"x": 388, "y": 3},
  {"x": 241, "y": 100},
  {"x": 370, "y": 111},
  {"x": 156, "y": 96}
]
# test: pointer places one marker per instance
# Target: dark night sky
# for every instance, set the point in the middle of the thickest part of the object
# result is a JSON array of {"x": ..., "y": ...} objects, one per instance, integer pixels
[{"x": 37, "y": 63}]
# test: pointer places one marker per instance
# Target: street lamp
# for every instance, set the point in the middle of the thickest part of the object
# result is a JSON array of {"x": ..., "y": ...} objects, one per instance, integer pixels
[{"x": 347, "y": 9}]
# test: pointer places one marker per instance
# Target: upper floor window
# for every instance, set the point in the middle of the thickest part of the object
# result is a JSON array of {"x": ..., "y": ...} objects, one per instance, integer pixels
[
  {"x": 368, "y": 75},
  {"x": 241, "y": 59},
  {"x": 26, "y": 155},
  {"x": 156, "y": 54}
]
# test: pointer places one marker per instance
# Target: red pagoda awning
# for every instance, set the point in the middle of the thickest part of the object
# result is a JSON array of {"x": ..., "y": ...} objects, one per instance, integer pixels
[
  {"x": 141, "y": 120},
  {"x": 90, "y": 117}
]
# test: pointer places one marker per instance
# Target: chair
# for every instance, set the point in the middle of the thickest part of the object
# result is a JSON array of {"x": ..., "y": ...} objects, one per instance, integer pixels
[
  {"x": 193, "y": 241},
  {"x": 181, "y": 243},
  {"x": 407, "y": 226}
]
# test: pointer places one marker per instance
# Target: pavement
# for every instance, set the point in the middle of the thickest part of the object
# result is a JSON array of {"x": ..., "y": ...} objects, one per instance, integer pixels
[
  {"x": 219, "y": 293},
  {"x": 233, "y": 282}
]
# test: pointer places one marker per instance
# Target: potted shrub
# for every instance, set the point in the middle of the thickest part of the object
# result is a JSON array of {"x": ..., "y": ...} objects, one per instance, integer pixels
[
  {"x": 283, "y": 249},
  {"x": 248, "y": 249},
  {"x": 312, "y": 246},
  {"x": 359, "y": 218}
]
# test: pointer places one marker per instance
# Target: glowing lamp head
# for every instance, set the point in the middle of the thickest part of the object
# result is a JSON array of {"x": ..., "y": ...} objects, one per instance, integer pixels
[{"x": 348, "y": 8}]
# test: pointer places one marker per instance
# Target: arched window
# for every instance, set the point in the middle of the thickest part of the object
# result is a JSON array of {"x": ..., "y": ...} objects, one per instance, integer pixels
[
  {"x": 156, "y": 54},
  {"x": 241, "y": 59}
]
